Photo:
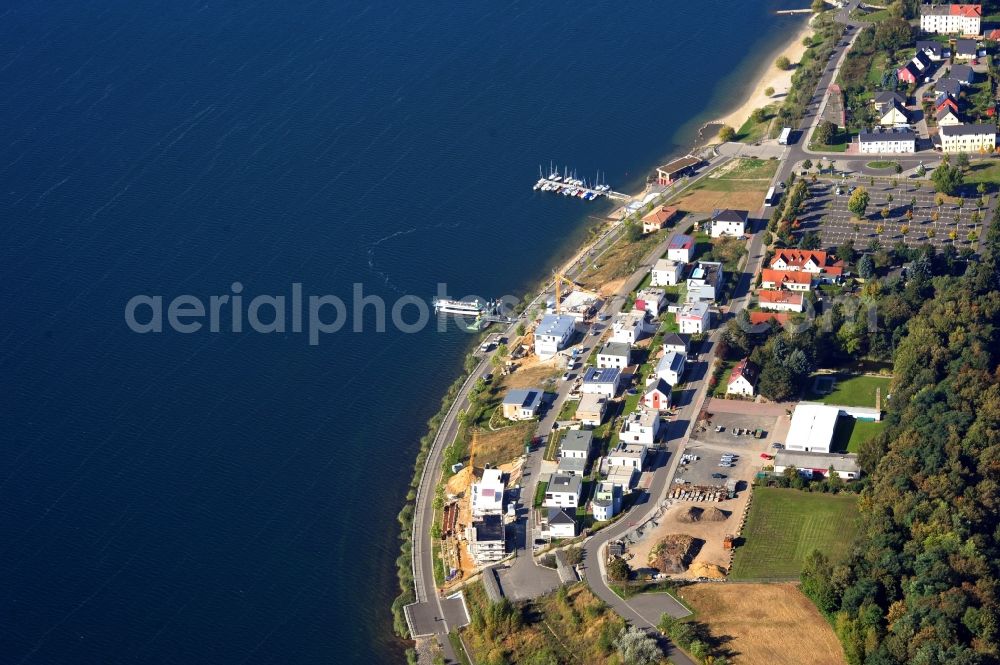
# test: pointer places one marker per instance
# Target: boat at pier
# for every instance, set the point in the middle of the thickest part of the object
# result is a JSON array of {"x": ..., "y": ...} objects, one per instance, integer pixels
[{"x": 467, "y": 307}]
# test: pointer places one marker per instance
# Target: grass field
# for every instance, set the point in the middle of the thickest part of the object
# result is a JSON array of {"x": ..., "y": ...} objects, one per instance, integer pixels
[
  {"x": 851, "y": 433},
  {"x": 785, "y": 525},
  {"x": 740, "y": 184},
  {"x": 765, "y": 623},
  {"x": 853, "y": 391},
  {"x": 985, "y": 172}
]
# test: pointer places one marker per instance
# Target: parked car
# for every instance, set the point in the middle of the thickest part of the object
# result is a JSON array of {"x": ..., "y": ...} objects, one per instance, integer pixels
[
  {"x": 777, "y": 446},
  {"x": 766, "y": 456},
  {"x": 718, "y": 475},
  {"x": 720, "y": 428}
]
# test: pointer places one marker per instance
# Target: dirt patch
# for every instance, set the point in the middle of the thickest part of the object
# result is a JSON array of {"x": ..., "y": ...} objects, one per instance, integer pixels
[
  {"x": 503, "y": 445},
  {"x": 713, "y": 514},
  {"x": 530, "y": 373},
  {"x": 707, "y": 570},
  {"x": 697, "y": 514},
  {"x": 765, "y": 623},
  {"x": 673, "y": 553},
  {"x": 705, "y": 201}
]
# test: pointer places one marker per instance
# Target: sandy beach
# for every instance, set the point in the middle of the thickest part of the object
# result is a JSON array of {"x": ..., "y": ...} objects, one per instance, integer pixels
[{"x": 772, "y": 77}]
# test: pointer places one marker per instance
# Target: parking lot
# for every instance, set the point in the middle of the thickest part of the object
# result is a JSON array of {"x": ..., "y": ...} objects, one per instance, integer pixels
[
  {"x": 911, "y": 211},
  {"x": 711, "y": 443}
]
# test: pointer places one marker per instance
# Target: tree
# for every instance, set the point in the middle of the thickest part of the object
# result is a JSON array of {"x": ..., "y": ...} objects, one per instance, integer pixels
[
  {"x": 618, "y": 570},
  {"x": 889, "y": 198},
  {"x": 499, "y": 355},
  {"x": 947, "y": 179},
  {"x": 893, "y": 34},
  {"x": 810, "y": 240},
  {"x": 904, "y": 229},
  {"x": 776, "y": 382},
  {"x": 981, "y": 188},
  {"x": 962, "y": 161},
  {"x": 520, "y": 329},
  {"x": 782, "y": 63},
  {"x": 825, "y": 132},
  {"x": 898, "y": 168},
  {"x": 807, "y": 164},
  {"x": 769, "y": 91},
  {"x": 858, "y": 202},
  {"x": 845, "y": 252},
  {"x": 633, "y": 231},
  {"x": 758, "y": 116},
  {"x": 884, "y": 212},
  {"x": 726, "y": 134},
  {"x": 637, "y": 648},
  {"x": 818, "y": 6},
  {"x": 866, "y": 267},
  {"x": 921, "y": 171},
  {"x": 879, "y": 229}
]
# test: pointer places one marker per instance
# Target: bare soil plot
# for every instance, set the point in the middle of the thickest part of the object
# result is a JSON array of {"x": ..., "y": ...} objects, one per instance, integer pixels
[
  {"x": 765, "y": 623},
  {"x": 705, "y": 201}
]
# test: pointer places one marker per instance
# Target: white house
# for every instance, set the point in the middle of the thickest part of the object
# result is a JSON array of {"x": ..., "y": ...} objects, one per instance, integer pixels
[
  {"x": 681, "y": 248},
  {"x": 896, "y": 115},
  {"x": 693, "y": 318},
  {"x": 818, "y": 464},
  {"x": 576, "y": 444},
  {"x": 628, "y": 455},
  {"x": 743, "y": 379},
  {"x": 623, "y": 476},
  {"x": 651, "y": 300},
  {"x": 781, "y": 301},
  {"x": 563, "y": 491},
  {"x": 591, "y": 409},
  {"x": 522, "y": 403},
  {"x": 607, "y": 501},
  {"x": 629, "y": 327},
  {"x": 486, "y": 542},
  {"x": 487, "y": 494},
  {"x": 571, "y": 466},
  {"x": 667, "y": 272},
  {"x": 604, "y": 382},
  {"x": 704, "y": 281},
  {"x": 553, "y": 334},
  {"x": 559, "y": 524},
  {"x": 676, "y": 343},
  {"x": 614, "y": 354},
  {"x": 951, "y": 19},
  {"x": 671, "y": 367},
  {"x": 658, "y": 396},
  {"x": 936, "y": 51},
  {"x": 969, "y": 139},
  {"x": 946, "y": 116},
  {"x": 897, "y": 140},
  {"x": 729, "y": 223},
  {"x": 641, "y": 426}
]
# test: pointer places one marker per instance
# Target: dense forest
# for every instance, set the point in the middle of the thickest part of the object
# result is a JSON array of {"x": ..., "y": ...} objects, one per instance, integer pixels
[{"x": 922, "y": 584}]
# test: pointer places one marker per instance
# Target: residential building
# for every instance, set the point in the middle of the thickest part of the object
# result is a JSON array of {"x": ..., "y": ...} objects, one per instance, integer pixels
[
  {"x": 641, "y": 426},
  {"x": 759, "y": 318},
  {"x": 965, "y": 49},
  {"x": 669, "y": 173},
  {"x": 908, "y": 73},
  {"x": 704, "y": 280},
  {"x": 886, "y": 99},
  {"x": 487, "y": 494},
  {"x": 628, "y": 455},
  {"x": 818, "y": 464},
  {"x": 629, "y": 327},
  {"x": 948, "y": 86},
  {"x": 963, "y": 74},
  {"x": 651, "y": 300},
  {"x": 921, "y": 61},
  {"x": 671, "y": 367},
  {"x": 681, "y": 248},
  {"x": 970, "y": 139},
  {"x": 658, "y": 396},
  {"x": 793, "y": 280},
  {"x": 693, "y": 318},
  {"x": 580, "y": 304},
  {"x": 658, "y": 218},
  {"x": 571, "y": 466},
  {"x": 951, "y": 19},
  {"x": 895, "y": 140},
  {"x": 743, "y": 379},
  {"x": 563, "y": 491},
  {"x": 666, "y": 272},
  {"x": 676, "y": 342},
  {"x": 781, "y": 301},
  {"x": 814, "y": 262},
  {"x": 727, "y": 222},
  {"x": 553, "y": 334},
  {"x": 559, "y": 523},
  {"x": 604, "y": 382},
  {"x": 935, "y": 50},
  {"x": 614, "y": 354},
  {"x": 486, "y": 540},
  {"x": 946, "y": 116},
  {"x": 522, "y": 403},
  {"x": 607, "y": 501},
  {"x": 623, "y": 476},
  {"x": 945, "y": 100},
  {"x": 590, "y": 411},
  {"x": 576, "y": 444},
  {"x": 894, "y": 116}
]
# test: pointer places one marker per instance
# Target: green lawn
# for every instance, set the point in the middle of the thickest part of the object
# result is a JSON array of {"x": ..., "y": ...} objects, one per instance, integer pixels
[
  {"x": 852, "y": 390},
  {"x": 881, "y": 164},
  {"x": 751, "y": 131},
  {"x": 851, "y": 433},
  {"x": 986, "y": 172},
  {"x": 785, "y": 525}
]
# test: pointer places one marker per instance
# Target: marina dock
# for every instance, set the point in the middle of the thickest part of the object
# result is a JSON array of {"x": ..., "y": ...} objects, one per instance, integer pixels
[{"x": 569, "y": 185}]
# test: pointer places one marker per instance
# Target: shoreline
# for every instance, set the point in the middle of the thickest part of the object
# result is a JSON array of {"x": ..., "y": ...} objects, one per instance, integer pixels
[{"x": 769, "y": 76}]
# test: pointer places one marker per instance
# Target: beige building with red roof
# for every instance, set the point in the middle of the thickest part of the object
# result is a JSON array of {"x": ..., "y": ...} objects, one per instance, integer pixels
[
  {"x": 793, "y": 280},
  {"x": 814, "y": 262},
  {"x": 743, "y": 379},
  {"x": 951, "y": 19},
  {"x": 657, "y": 218},
  {"x": 781, "y": 301}
]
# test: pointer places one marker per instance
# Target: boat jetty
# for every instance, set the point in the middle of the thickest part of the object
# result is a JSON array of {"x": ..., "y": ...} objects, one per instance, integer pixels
[
  {"x": 485, "y": 312},
  {"x": 567, "y": 184}
]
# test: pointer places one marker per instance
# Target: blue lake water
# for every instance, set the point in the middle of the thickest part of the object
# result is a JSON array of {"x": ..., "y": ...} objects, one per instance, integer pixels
[{"x": 231, "y": 498}]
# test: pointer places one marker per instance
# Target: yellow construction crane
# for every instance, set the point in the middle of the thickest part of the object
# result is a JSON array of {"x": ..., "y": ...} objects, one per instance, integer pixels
[{"x": 559, "y": 279}]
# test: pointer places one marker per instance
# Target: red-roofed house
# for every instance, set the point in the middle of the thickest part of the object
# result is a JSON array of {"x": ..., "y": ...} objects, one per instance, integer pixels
[
  {"x": 782, "y": 301},
  {"x": 757, "y": 318},
  {"x": 743, "y": 379},
  {"x": 908, "y": 73},
  {"x": 945, "y": 101},
  {"x": 811, "y": 261},
  {"x": 786, "y": 279},
  {"x": 993, "y": 35},
  {"x": 951, "y": 19},
  {"x": 657, "y": 218}
]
